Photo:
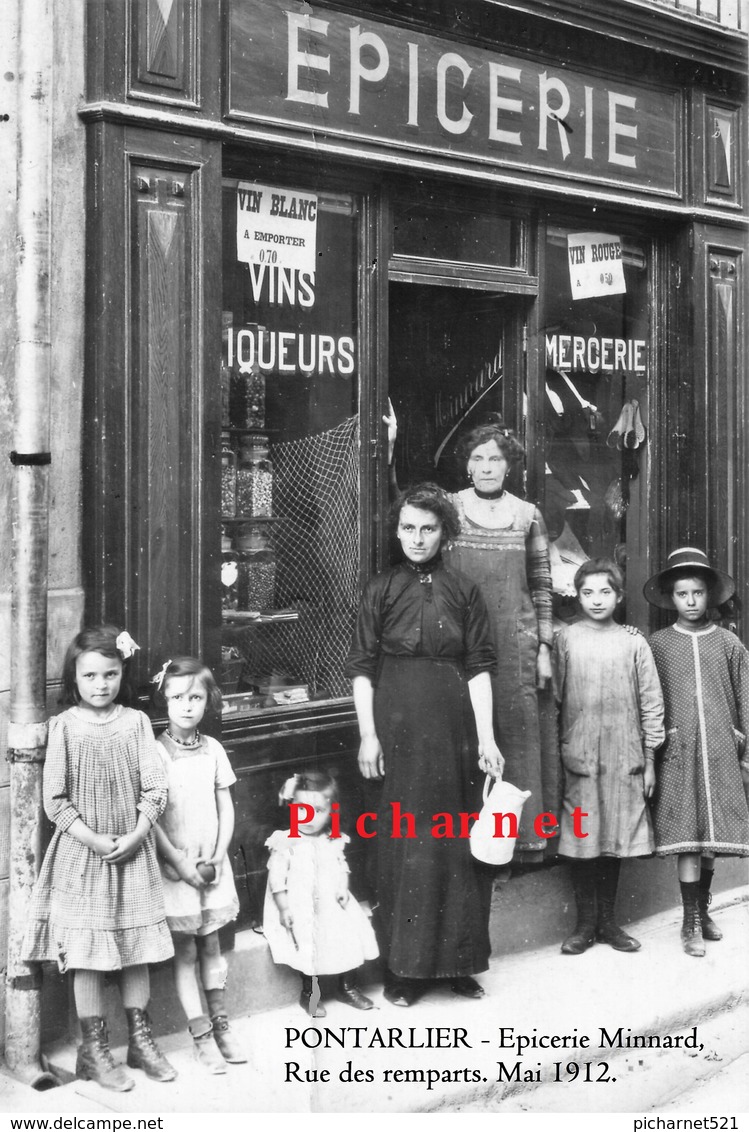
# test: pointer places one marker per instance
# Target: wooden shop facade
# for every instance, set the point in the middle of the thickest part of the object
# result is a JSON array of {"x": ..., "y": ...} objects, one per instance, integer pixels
[{"x": 296, "y": 211}]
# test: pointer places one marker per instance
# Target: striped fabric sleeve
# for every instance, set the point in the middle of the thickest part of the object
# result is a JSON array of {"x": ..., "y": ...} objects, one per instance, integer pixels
[{"x": 539, "y": 577}]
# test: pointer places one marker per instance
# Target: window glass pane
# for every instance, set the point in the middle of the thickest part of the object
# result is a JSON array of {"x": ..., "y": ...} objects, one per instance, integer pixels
[
  {"x": 290, "y": 450},
  {"x": 596, "y": 410},
  {"x": 454, "y": 235}
]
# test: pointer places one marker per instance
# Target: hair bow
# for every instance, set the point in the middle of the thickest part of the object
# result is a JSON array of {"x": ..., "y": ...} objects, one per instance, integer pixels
[
  {"x": 125, "y": 645},
  {"x": 158, "y": 679},
  {"x": 288, "y": 790}
]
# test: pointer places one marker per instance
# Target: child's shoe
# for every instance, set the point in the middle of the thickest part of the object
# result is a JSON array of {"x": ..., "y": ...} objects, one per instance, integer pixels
[
  {"x": 349, "y": 994},
  {"x": 204, "y": 1048},
  {"x": 584, "y": 888},
  {"x": 142, "y": 1051},
  {"x": 607, "y": 929},
  {"x": 311, "y": 995},
  {"x": 582, "y": 938},
  {"x": 710, "y": 929},
  {"x": 95, "y": 1062},
  {"x": 222, "y": 1035},
  {"x": 691, "y": 928}
]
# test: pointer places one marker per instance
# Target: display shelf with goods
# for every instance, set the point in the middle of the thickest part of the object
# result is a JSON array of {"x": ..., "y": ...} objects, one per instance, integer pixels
[{"x": 290, "y": 457}]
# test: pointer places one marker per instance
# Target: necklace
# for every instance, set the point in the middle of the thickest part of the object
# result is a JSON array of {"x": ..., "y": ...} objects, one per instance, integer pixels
[
  {"x": 490, "y": 499},
  {"x": 184, "y": 742},
  {"x": 490, "y": 496}
]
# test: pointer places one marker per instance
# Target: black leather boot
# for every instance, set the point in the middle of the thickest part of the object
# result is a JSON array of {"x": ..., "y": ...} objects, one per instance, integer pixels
[
  {"x": 222, "y": 1035},
  {"x": 710, "y": 929},
  {"x": 95, "y": 1061},
  {"x": 349, "y": 993},
  {"x": 584, "y": 888},
  {"x": 142, "y": 1051},
  {"x": 607, "y": 929},
  {"x": 691, "y": 928}
]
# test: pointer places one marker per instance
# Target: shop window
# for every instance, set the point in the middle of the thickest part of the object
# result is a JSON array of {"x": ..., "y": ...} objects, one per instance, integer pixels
[
  {"x": 436, "y": 231},
  {"x": 595, "y": 391},
  {"x": 289, "y": 445}
]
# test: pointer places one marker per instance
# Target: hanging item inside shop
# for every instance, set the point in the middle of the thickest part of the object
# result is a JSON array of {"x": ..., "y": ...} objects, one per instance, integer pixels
[{"x": 629, "y": 431}]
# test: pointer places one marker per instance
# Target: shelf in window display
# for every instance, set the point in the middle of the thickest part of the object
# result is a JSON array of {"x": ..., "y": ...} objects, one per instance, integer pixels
[
  {"x": 243, "y": 618},
  {"x": 249, "y": 430}
]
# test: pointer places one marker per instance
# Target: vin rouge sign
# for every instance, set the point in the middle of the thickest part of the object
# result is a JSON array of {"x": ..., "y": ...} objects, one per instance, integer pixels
[{"x": 300, "y": 65}]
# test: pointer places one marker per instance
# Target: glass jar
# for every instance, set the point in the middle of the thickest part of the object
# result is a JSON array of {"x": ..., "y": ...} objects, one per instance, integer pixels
[
  {"x": 257, "y": 568},
  {"x": 255, "y": 477},
  {"x": 247, "y": 403},
  {"x": 228, "y": 478},
  {"x": 247, "y": 394}
]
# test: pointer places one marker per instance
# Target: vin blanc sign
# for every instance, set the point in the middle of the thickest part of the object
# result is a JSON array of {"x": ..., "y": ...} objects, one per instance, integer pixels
[{"x": 300, "y": 65}]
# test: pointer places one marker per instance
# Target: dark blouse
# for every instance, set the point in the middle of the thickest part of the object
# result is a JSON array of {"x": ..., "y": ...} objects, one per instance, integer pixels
[{"x": 439, "y": 615}]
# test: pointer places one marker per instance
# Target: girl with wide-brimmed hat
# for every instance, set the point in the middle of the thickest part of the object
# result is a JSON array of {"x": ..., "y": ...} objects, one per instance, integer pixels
[{"x": 700, "y": 807}]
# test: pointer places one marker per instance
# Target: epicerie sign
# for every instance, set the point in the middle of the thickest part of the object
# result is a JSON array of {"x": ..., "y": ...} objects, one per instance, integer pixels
[
  {"x": 596, "y": 265},
  {"x": 276, "y": 227},
  {"x": 345, "y": 77}
]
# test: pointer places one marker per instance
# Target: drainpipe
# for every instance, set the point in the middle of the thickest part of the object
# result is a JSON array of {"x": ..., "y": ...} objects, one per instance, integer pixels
[{"x": 27, "y": 728}]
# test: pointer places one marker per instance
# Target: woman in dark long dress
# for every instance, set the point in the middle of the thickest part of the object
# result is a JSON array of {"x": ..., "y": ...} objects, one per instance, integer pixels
[
  {"x": 421, "y": 663},
  {"x": 502, "y": 546}
]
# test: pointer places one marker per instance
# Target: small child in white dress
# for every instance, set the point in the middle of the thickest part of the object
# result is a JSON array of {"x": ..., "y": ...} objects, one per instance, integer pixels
[
  {"x": 311, "y": 920},
  {"x": 193, "y": 838}
]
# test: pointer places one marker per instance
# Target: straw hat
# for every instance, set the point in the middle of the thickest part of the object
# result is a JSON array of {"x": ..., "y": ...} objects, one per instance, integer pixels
[{"x": 722, "y": 585}]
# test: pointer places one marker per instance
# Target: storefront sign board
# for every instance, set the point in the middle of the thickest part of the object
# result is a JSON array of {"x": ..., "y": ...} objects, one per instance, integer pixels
[{"x": 338, "y": 75}]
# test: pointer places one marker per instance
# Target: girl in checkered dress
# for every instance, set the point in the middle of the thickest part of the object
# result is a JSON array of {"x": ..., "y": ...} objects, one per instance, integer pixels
[{"x": 98, "y": 903}]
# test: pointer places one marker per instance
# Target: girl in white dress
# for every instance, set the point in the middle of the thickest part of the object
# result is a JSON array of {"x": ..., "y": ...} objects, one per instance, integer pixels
[
  {"x": 193, "y": 839},
  {"x": 311, "y": 920}
]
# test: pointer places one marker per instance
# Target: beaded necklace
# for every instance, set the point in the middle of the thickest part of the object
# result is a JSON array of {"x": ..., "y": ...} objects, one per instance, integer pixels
[{"x": 184, "y": 742}]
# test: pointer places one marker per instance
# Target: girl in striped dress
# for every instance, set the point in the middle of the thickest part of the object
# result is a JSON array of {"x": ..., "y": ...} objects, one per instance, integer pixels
[
  {"x": 700, "y": 806},
  {"x": 98, "y": 904}
]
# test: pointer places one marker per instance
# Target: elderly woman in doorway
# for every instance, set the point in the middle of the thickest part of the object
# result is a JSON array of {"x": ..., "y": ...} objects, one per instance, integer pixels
[
  {"x": 502, "y": 546},
  {"x": 421, "y": 662}
]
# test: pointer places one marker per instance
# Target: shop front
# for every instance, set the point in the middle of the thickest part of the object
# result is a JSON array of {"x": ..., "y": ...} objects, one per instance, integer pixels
[{"x": 297, "y": 212}]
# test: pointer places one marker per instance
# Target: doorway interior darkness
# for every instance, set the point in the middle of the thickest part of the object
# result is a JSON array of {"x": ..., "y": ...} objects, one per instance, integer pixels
[{"x": 448, "y": 370}]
